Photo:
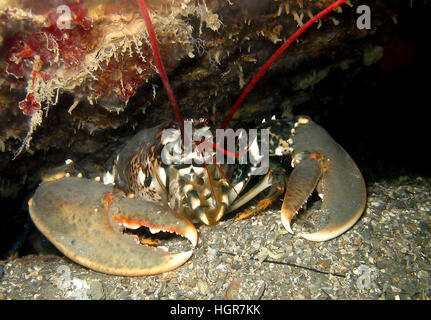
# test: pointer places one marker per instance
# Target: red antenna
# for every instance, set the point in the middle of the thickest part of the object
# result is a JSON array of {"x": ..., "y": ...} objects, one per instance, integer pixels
[
  {"x": 256, "y": 78},
  {"x": 275, "y": 56},
  {"x": 169, "y": 92},
  {"x": 159, "y": 63}
]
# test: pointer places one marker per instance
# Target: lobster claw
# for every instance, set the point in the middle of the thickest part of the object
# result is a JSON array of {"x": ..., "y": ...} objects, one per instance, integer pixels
[
  {"x": 319, "y": 162},
  {"x": 71, "y": 214}
]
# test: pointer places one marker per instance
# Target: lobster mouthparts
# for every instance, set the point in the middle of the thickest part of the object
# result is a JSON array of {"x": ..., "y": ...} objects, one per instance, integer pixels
[{"x": 85, "y": 222}]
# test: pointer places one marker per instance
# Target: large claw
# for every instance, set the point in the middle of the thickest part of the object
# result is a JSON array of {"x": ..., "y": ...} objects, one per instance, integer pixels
[
  {"x": 71, "y": 214},
  {"x": 320, "y": 161}
]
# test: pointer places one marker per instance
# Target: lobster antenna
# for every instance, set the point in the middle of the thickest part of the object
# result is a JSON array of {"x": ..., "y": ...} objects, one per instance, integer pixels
[
  {"x": 217, "y": 165},
  {"x": 271, "y": 60},
  {"x": 159, "y": 63}
]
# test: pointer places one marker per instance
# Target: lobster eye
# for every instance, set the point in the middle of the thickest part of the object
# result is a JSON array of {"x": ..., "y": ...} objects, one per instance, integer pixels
[
  {"x": 203, "y": 122},
  {"x": 173, "y": 125}
]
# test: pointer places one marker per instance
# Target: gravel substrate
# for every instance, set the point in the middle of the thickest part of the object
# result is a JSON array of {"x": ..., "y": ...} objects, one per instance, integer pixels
[{"x": 386, "y": 255}]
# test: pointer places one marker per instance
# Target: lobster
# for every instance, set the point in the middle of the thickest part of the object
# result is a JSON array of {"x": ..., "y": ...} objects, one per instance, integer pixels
[{"x": 169, "y": 178}]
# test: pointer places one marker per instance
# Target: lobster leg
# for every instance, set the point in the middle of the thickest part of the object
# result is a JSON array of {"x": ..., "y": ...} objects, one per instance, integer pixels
[
  {"x": 277, "y": 181},
  {"x": 85, "y": 222},
  {"x": 321, "y": 162},
  {"x": 274, "y": 180}
]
